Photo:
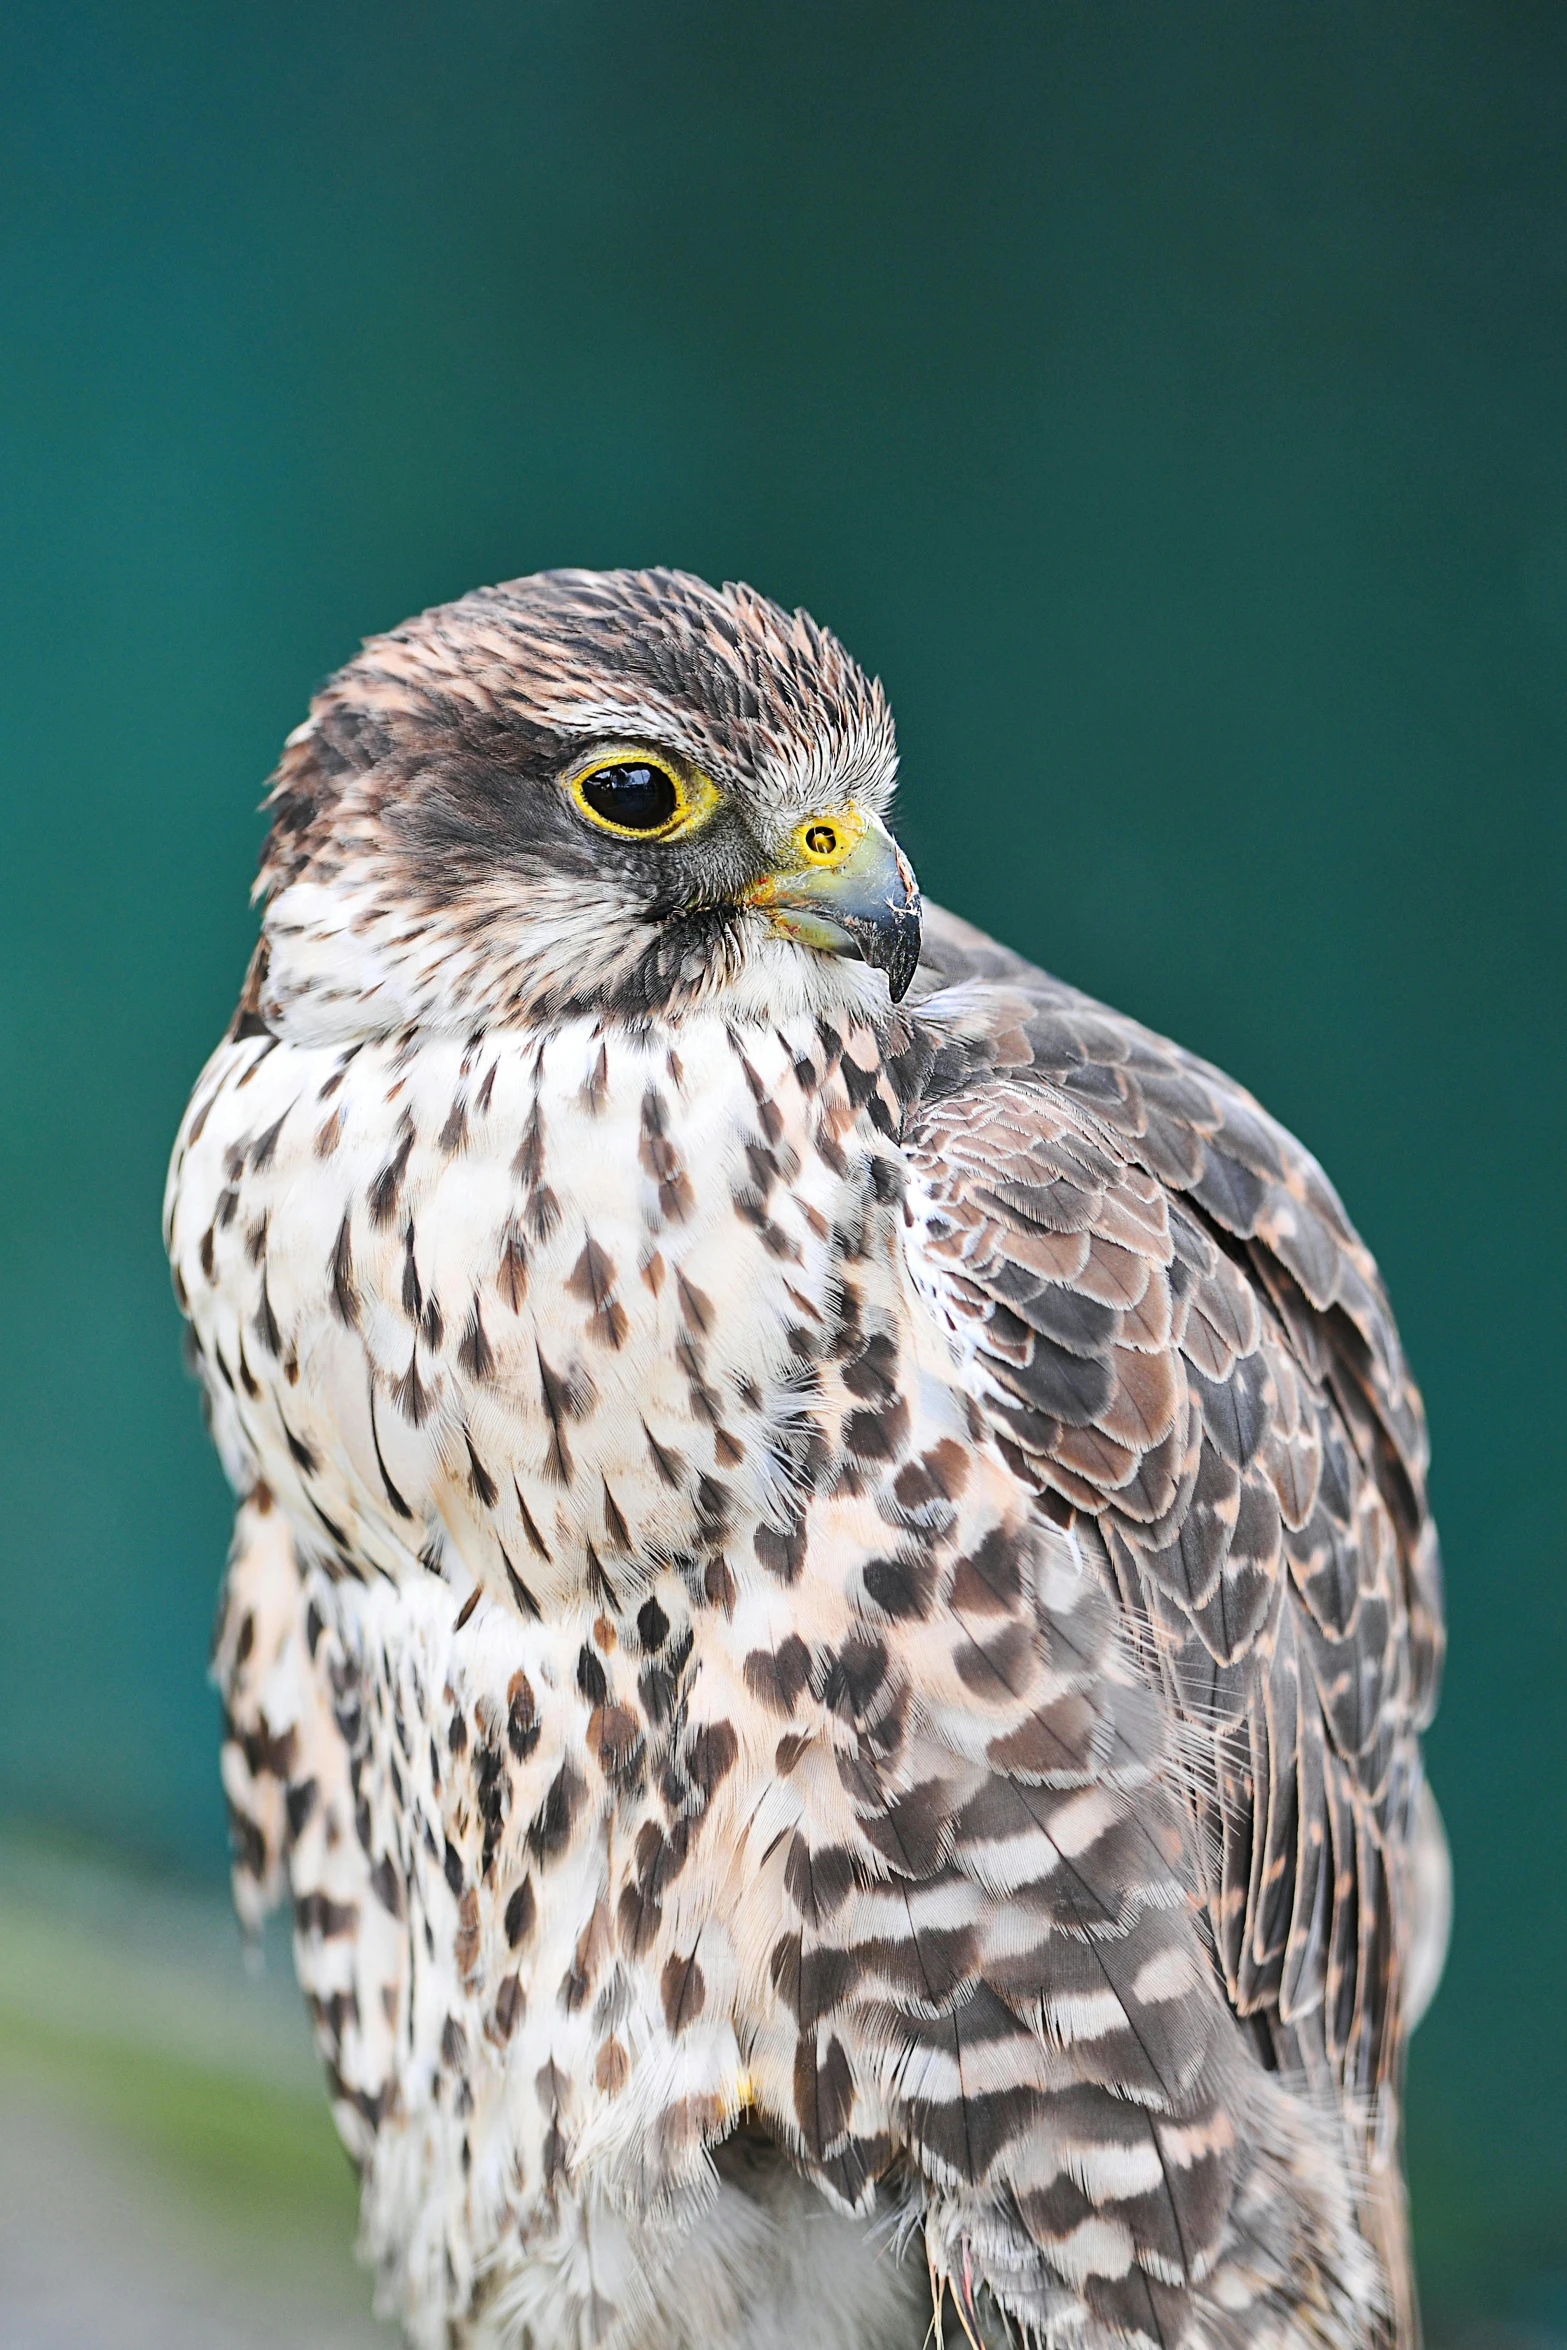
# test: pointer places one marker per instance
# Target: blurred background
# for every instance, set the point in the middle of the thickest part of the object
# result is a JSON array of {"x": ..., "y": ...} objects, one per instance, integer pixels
[{"x": 1171, "y": 404}]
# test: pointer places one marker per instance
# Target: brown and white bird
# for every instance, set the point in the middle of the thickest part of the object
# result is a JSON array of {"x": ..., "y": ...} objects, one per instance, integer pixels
[{"x": 832, "y": 1599}]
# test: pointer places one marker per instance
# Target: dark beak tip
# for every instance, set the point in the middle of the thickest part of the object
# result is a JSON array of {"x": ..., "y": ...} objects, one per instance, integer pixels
[
  {"x": 905, "y": 962},
  {"x": 892, "y": 946}
]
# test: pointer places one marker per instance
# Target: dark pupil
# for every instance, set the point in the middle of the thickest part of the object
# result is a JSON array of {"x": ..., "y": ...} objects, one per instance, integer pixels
[{"x": 640, "y": 798}]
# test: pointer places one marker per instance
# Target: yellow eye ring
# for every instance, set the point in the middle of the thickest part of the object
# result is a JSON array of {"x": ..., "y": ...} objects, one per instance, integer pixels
[{"x": 637, "y": 794}]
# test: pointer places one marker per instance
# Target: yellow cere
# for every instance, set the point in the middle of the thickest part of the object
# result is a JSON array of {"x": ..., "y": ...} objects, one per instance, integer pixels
[{"x": 829, "y": 838}]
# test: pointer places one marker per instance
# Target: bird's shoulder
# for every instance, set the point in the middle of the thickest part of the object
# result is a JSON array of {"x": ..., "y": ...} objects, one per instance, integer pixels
[
  {"x": 1199, "y": 1133},
  {"x": 1177, "y": 1335}
]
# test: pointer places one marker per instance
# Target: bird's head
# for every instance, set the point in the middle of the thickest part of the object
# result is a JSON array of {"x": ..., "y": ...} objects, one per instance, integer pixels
[{"x": 622, "y": 792}]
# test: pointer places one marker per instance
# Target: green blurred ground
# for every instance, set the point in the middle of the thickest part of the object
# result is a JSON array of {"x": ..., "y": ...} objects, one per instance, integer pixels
[
  {"x": 1167, "y": 401},
  {"x": 168, "y": 2171}
]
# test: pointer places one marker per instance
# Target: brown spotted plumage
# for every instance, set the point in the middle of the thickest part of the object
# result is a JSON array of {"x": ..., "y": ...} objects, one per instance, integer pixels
[{"x": 832, "y": 1601}]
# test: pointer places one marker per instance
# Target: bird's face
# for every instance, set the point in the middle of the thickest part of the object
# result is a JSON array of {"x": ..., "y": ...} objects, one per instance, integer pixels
[{"x": 621, "y": 793}]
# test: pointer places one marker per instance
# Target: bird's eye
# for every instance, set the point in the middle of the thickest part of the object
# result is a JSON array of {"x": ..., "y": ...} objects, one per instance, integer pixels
[
  {"x": 637, "y": 797},
  {"x": 632, "y": 798},
  {"x": 642, "y": 795}
]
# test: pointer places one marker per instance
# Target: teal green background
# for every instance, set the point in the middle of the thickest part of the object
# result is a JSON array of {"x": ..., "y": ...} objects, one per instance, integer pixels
[{"x": 1170, "y": 401}]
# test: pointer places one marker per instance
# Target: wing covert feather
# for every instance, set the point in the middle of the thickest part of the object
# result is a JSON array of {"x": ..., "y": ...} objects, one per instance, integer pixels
[{"x": 1176, "y": 1331}]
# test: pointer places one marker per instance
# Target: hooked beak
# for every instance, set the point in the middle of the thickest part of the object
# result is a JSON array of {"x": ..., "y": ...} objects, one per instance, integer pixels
[{"x": 863, "y": 902}]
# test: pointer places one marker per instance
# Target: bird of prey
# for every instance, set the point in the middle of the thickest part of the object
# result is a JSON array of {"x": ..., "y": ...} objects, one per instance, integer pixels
[{"x": 832, "y": 1599}]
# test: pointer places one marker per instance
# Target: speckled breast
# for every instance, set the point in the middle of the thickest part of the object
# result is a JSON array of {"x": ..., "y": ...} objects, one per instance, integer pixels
[{"x": 551, "y": 1358}]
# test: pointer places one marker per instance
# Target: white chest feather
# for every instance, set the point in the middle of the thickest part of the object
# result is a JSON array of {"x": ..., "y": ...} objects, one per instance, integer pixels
[{"x": 522, "y": 1313}]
